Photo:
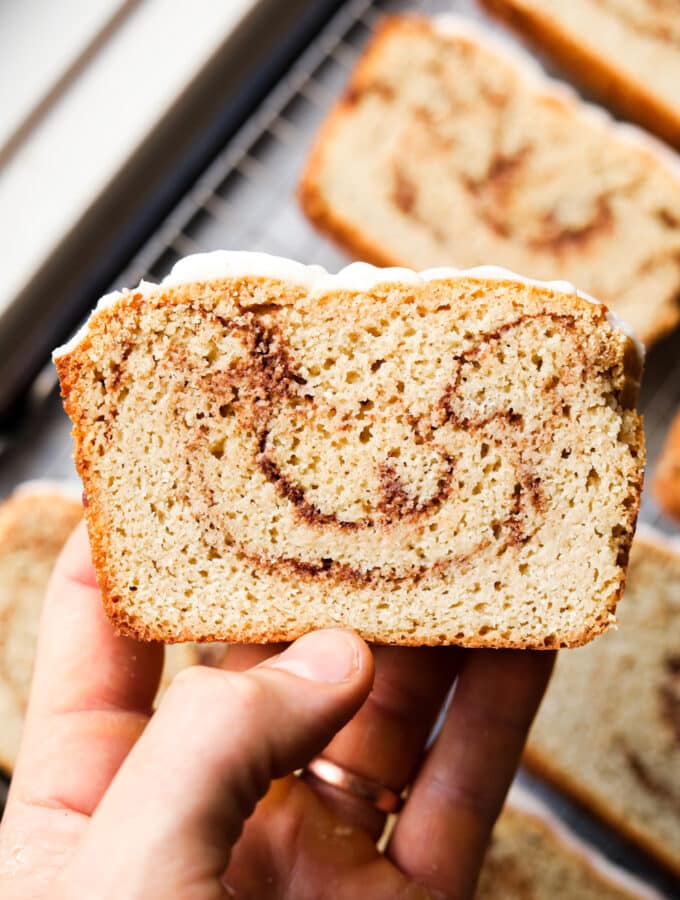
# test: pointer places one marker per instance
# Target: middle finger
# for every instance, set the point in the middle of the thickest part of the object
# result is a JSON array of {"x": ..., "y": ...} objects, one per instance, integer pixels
[{"x": 384, "y": 742}]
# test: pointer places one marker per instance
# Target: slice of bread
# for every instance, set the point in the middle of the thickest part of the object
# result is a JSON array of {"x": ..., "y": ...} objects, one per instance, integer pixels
[
  {"x": 532, "y": 855},
  {"x": 625, "y": 51},
  {"x": 666, "y": 482},
  {"x": 451, "y": 457},
  {"x": 34, "y": 525},
  {"x": 33, "y": 528},
  {"x": 448, "y": 149},
  {"x": 608, "y": 731}
]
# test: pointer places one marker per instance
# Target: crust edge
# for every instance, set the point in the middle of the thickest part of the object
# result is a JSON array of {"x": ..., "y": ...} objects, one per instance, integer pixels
[
  {"x": 346, "y": 235},
  {"x": 613, "y": 85}
]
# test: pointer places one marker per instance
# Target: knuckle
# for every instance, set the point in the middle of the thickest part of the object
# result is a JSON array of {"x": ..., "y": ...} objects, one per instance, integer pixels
[
  {"x": 197, "y": 680},
  {"x": 247, "y": 692}
]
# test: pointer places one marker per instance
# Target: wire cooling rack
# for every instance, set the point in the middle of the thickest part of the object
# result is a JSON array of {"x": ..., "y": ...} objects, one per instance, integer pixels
[{"x": 246, "y": 200}]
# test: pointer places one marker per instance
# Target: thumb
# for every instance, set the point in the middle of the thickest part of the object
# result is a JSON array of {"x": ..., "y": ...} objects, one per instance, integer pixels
[{"x": 205, "y": 759}]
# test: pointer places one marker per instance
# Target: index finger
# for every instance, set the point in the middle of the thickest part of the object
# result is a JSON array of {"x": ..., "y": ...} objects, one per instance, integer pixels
[{"x": 91, "y": 696}]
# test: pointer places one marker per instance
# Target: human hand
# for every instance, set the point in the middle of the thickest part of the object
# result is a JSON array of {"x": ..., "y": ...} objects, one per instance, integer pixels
[{"x": 109, "y": 801}]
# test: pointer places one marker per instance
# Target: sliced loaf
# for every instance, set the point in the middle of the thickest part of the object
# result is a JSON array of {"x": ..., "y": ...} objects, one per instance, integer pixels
[
  {"x": 447, "y": 149},
  {"x": 532, "y": 856},
  {"x": 625, "y": 51},
  {"x": 33, "y": 528},
  {"x": 452, "y": 457},
  {"x": 608, "y": 731}
]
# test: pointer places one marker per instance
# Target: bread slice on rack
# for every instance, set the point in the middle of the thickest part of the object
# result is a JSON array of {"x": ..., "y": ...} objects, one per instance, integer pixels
[
  {"x": 625, "y": 51},
  {"x": 608, "y": 731},
  {"x": 434, "y": 458},
  {"x": 34, "y": 525},
  {"x": 533, "y": 855},
  {"x": 666, "y": 481},
  {"x": 33, "y": 528},
  {"x": 449, "y": 148}
]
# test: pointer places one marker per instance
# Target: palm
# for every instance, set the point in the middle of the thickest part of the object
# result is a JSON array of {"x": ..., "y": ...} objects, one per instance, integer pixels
[
  {"x": 294, "y": 846},
  {"x": 310, "y": 840}
]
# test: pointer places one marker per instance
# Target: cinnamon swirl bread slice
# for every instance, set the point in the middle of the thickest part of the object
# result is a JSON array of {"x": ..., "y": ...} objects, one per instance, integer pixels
[
  {"x": 450, "y": 148},
  {"x": 33, "y": 528},
  {"x": 451, "y": 457},
  {"x": 533, "y": 855},
  {"x": 608, "y": 731},
  {"x": 625, "y": 51}
]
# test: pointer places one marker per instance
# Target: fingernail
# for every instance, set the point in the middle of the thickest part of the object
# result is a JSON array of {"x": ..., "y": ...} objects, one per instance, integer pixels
[{"x": 330, "y": 656}]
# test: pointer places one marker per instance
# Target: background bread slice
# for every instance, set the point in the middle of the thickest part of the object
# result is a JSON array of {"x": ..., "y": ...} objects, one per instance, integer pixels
[
  {"x": 532, "y": 855},
  {"x": 446, "y": 458},
  {"x": 448, "y": 149},
  {"x": 34, "y": 525},
  {"x": 608, "y": 731},
  {"x": 666, "y": 483},
  {"x": 33, "y": 529},
  {"x": 625, "y": 51}
]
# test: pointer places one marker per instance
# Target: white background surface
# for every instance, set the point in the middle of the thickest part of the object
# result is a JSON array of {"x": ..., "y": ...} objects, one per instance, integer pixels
[{"x": 79, "y": 144}]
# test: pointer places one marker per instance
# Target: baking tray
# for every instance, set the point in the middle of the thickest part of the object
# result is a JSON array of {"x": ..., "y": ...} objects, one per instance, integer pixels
[{"x": 246, "y": 200}]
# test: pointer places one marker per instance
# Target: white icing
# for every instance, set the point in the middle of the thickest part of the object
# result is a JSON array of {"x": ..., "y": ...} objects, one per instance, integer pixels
[
  {"x": 451, "y": 25},
  {"x": 524, "y": 801},
  {"x": 235, "y": 263},
  {"x": 357, "y": 277}
]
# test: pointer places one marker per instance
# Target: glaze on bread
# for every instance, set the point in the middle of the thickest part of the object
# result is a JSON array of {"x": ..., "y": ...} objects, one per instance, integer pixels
[
  {"x": 448, "y": 149},
  {"x": 428, "y": 459}
]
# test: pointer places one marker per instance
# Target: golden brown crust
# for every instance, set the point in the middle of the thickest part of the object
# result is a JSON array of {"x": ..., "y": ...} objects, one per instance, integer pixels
[
  {"x": 22, "y": 524},
  {"x": 666, "y": 481},
  {"x": 311, "y": 200},
  {"x": 624, "y": 94}
]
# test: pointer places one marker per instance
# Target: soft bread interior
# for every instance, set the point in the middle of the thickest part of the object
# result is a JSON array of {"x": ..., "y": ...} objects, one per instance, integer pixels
[{"x": 457, "y": 461}]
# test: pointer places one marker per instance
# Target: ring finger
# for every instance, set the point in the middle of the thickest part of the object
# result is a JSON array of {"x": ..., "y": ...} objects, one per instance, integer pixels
[{"x": 384, "y": 742}]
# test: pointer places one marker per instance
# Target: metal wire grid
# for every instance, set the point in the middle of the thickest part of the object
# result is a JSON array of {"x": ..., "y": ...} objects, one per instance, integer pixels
[{"x": 246, "y": 199}]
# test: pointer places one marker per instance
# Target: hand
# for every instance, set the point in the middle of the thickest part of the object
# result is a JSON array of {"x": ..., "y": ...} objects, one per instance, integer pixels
[{"x": 108, "y": 801}]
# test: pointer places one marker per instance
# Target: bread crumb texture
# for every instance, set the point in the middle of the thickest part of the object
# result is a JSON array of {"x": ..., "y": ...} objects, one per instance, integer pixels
[
  {"x": 444, "y": 152},
  {"x": 456, "y": 461},
  {"x": 608, "y": 731}
]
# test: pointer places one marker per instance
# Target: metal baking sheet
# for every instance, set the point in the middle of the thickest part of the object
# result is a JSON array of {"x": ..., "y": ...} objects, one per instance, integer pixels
[{"x": 246, "y": 200}]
